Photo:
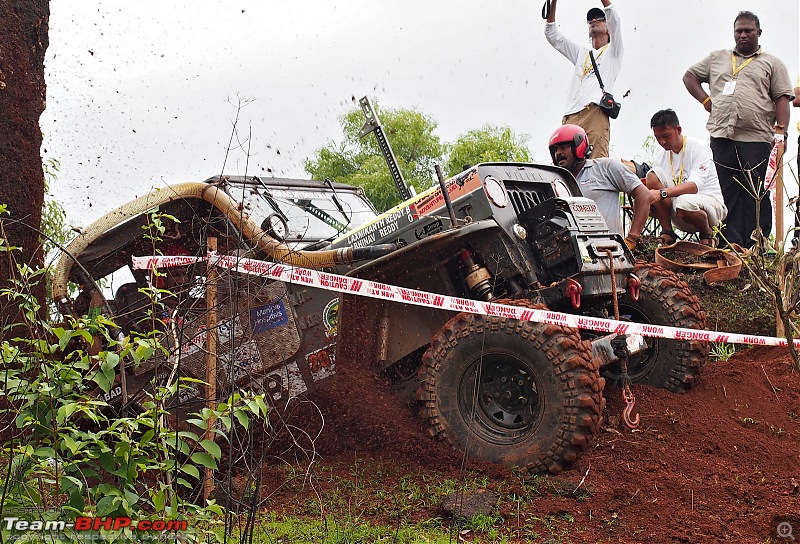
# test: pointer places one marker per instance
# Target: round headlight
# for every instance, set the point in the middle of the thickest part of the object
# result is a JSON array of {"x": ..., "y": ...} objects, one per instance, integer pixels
[{"x": 496, "y": 191}]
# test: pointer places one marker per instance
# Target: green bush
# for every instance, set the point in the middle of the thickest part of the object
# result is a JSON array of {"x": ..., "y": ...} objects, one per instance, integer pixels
[{"x": 66, "y": 450}]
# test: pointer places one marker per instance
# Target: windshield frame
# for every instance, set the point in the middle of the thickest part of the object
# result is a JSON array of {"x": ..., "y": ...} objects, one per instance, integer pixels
[{"x": 309, "y": 208}]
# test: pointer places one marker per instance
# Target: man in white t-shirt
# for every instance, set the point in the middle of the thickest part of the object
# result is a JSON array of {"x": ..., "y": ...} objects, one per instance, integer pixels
[
  {"x": 583, "y": 109},
  {"x": 683, "y": 183}
]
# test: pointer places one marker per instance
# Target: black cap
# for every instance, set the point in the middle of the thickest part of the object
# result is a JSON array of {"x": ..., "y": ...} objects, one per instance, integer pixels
[{"x": 595, "y": 13}]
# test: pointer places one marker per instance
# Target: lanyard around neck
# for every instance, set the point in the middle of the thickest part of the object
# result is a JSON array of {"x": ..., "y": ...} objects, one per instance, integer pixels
[
  {"x": 736, "y": 69},
  {"x": 679, "y": 179},
  {"x": 587, "y": 65}
]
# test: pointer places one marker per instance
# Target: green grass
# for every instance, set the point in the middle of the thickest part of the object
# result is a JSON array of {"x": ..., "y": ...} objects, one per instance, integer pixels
[
  {"x": 375, "y": 503},
  {"x": 720, "y": 351},
  {"x": 274, "y": 529},
  {"x": 346, "y": 531}
]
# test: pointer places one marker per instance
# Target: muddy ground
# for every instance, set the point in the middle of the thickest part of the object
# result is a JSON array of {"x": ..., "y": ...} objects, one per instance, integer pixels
[{"x": 717, "y": 464}]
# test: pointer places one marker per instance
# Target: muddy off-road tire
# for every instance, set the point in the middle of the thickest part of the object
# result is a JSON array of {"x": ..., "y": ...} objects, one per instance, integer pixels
[
  {"x": 512, "y": 392},
  {"x": 664, "y": 300}
]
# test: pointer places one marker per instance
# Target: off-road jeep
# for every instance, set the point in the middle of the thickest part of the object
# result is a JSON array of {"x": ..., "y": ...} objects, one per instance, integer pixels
[{"x": 508, "y": 391}]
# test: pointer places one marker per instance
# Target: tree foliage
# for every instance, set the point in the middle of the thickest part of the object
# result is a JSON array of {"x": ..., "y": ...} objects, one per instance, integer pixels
[
  {"x": 486, "y": 144},
  {"x": 54, "y": 218},
  {"x": 358, "y": 161},
  {"x": 411, "y": 134}
]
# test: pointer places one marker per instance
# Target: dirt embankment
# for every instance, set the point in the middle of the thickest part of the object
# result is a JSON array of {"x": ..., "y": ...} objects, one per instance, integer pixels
[{"x": 717, "y": 464}]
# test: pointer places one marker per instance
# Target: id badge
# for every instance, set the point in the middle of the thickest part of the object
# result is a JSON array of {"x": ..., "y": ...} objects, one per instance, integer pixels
[{"x": 729, "y": 87}]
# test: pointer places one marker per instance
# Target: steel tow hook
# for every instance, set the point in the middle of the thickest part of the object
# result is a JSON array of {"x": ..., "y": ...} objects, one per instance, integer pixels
[
  {"x": 574, "y": 290},
  {"x": 634, "y": 283},
  {"x": 630, "y": 401},
  {"x": 620, "y": 346}
]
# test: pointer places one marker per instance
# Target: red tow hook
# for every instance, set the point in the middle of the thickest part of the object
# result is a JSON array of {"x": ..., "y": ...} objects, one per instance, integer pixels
[
  {"x": 574, "y": 290},
  {"x": 630, "y": 401},
  {"x": 633, "y": 286}
]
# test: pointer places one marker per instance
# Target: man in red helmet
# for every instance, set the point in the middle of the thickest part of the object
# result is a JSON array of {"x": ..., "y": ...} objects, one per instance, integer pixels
[
  {"x": 583, "y": 98},
  {"x": 602, "y": 180}
]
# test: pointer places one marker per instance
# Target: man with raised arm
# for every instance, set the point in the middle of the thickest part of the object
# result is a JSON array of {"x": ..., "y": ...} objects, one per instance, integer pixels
[{"x": 584, "y": 95}]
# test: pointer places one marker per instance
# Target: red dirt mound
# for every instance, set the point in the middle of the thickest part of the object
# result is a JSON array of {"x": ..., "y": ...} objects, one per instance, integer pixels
[{"x": 715, "y": 464}]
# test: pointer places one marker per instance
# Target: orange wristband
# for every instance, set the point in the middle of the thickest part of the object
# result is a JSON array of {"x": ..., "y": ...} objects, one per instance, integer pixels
[{"x": 704, "y": 102}]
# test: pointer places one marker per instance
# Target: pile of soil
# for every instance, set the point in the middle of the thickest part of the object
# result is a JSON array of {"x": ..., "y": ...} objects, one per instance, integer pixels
[{"x": 715, "y": 464}]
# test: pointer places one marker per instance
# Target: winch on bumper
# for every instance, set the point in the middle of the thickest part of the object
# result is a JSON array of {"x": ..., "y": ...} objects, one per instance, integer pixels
[
  {"x": 594, "y": 256},
  {"x": 570, "y": 239},
  {"x": 603, "y": 351}
]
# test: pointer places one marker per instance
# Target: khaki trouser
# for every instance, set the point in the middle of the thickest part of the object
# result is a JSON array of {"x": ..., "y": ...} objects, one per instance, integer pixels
[{"x": 597, "y": 127}]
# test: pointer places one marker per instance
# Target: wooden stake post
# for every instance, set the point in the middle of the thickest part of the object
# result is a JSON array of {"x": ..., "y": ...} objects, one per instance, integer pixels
[
  {"x": 211, "y": 359},
  {"x": 780, "y": 236}
]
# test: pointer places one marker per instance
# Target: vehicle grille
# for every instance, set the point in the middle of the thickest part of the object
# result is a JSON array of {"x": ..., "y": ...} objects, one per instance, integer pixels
[{"x": 525, "y": 198}]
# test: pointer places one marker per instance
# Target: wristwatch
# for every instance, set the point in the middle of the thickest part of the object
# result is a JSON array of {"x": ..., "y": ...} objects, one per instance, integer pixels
[{"x": 664, "y": 194}]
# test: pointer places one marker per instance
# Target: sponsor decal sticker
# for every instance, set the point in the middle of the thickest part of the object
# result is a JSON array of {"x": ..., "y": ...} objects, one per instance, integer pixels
[
  {"x": 330, "y": 317},
  {"x": 285, "y": 383},
  {"x": 246, "y": 360},
  {"x": 268, "y": 316},
  {"x": 322, "y": 362}
]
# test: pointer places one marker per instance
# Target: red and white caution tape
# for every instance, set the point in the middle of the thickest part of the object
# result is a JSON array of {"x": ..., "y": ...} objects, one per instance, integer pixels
[
  {"x": 772, "y": 166},
  {"x": 368, "y": 288},
  {"x": 164, "y": 261}
]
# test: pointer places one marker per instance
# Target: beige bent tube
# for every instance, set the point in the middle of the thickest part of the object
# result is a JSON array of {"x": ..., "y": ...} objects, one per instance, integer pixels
[{"x": 276, "y": 250}]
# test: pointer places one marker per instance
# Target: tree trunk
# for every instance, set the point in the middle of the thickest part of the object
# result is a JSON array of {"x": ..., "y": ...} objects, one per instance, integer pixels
[{"x": 23, "y": 42}]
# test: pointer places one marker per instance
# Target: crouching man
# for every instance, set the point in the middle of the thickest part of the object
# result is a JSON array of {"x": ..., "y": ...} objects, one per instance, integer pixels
[{"x": 683, "y": 183}]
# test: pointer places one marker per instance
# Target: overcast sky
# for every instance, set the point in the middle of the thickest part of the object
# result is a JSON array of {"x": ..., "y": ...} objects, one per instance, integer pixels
[{"x": 143, "y": 94}]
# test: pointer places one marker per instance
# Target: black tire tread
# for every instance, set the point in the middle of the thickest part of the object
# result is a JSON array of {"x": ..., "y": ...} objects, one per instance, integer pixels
[
  {"x": 684, "y": 311},
  {"x": 582, "y": 386}
]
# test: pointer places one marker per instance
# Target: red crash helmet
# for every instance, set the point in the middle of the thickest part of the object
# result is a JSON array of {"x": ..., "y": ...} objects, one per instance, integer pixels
[{"x": 574, "y": 135}]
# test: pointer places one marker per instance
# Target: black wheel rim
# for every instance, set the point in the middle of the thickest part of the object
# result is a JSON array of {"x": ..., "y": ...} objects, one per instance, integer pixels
[{"x": 499, "y": 394}]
